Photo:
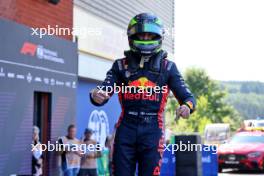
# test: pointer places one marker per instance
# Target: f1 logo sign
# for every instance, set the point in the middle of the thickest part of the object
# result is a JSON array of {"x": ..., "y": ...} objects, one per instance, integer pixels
[{"x": 28, "y": 48}]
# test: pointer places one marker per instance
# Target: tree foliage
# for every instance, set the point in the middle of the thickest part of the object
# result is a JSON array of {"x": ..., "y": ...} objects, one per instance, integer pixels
[
  {"x": 247, "y": 97},
  {"x": 211, "y": 104},
  {"x": 249, "y": 105}
]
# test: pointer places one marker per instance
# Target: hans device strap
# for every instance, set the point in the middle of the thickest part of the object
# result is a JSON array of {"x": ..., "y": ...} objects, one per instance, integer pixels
[{"x": 155, "y": 61}]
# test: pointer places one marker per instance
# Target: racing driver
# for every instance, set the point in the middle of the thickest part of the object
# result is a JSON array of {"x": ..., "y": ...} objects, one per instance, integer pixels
[{"x": 139, "y": 137}]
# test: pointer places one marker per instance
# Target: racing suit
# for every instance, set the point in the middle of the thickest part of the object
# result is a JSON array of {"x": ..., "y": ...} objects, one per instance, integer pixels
[{"x": 139, "y": 136}]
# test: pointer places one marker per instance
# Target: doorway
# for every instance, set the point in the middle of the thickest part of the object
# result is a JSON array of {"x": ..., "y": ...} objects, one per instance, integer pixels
[{"x": 42, "y": 119}]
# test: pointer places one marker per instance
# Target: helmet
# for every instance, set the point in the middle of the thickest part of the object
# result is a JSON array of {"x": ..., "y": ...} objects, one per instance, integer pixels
[{"x": 145, "y": 23}]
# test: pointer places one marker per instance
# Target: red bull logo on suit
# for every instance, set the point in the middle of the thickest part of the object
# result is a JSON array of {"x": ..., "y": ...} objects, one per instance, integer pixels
[
  {"x": 144, "y": 89},
  {"x": 142, "y": 82},
  {"x": 139, "y": 89}
]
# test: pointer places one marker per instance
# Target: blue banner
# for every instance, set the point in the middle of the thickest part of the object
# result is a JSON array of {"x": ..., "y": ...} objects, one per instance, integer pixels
[
  {"x": 100, "y": 119},
  {"x": 168, "y": 163},
  {"x": 209, "y": 161}
]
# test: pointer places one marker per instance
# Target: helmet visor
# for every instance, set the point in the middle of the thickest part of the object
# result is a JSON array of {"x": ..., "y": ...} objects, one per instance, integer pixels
[{"x": 145, "y": 27}]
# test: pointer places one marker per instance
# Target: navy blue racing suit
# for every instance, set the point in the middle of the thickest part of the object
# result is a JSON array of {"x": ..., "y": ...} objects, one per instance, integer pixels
[{"x": 139, "y": 137}]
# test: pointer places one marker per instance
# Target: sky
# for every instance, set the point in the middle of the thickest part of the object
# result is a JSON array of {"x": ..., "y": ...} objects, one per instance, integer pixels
[{"x": 225, "y": 37}]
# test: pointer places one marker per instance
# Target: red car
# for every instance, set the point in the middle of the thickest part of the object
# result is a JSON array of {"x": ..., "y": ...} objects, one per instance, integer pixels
[{"x": 244, "y": 151}]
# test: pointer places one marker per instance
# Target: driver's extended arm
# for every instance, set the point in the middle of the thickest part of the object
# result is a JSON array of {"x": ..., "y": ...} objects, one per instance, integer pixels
[
  {"x": 108, "y": 84},
  {"x": 179, "y": 89}
]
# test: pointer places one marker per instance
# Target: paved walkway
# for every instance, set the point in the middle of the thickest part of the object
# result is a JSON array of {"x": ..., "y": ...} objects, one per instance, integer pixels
[{"x": 229, "y": 172}]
